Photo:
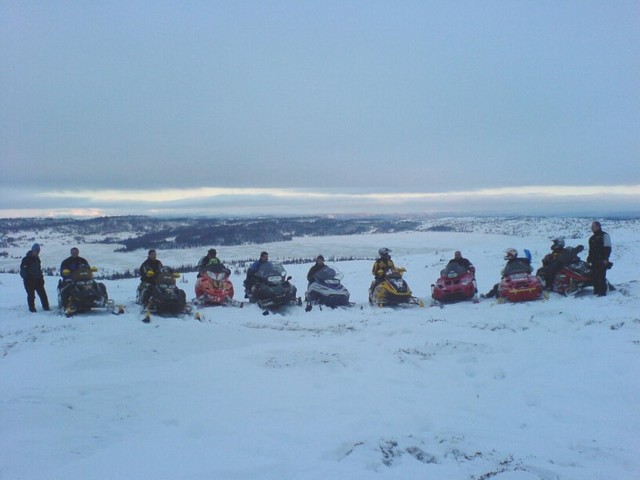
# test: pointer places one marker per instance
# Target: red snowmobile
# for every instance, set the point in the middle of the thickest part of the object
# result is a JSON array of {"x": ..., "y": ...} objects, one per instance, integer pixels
[
  {"x": 213, "y": 287},
  {"x": 456, "y": 283},
  {"x": 572, "y": 278},
  {"x": 517, "y": 284},
  {"x": 572, "y": 274},
  {"x": 520, "y": 287}
]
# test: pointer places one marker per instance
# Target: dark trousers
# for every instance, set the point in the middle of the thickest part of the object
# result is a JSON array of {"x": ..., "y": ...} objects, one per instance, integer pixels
[
  {"x": 36, "y": 286},
  {"x": 599, "y": 279},
  {"x": 494, "y": 292}
]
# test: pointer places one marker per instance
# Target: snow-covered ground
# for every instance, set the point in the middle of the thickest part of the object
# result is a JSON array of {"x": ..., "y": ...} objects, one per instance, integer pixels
[{"x": 540, "y": 390}]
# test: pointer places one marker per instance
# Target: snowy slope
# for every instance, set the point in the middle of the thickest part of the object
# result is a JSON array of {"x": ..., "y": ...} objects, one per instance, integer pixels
[{"x": 542, "y": 390}]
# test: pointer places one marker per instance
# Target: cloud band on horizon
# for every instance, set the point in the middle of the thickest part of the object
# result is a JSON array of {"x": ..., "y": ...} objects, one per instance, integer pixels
[{"x": 286, "y": 201}]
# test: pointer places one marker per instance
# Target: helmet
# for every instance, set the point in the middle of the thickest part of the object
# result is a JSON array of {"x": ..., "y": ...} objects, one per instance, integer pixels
[
  {"x": 384, "y": 252},
  {"x": 558, "y": 244},
  {"x": 510, "y": 253}
]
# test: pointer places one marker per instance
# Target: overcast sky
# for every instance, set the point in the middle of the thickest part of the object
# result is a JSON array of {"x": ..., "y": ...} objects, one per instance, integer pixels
[{"x": 321, "y": 106}]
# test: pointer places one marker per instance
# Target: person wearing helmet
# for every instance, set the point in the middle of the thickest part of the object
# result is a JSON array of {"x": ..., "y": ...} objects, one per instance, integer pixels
[
  {"x": 515, "y": 264},
  {"x": 551, "y": 263},
  {"x": 211, "y": 260},
  {"x": 382, "y": 265},
  {"x": 148, "y": 271}
]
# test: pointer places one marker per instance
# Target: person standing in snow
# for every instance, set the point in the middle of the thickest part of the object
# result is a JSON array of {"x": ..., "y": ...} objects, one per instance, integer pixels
[
  {"x": 599, "y": 252},
  {"x": 33, "y": 279}
]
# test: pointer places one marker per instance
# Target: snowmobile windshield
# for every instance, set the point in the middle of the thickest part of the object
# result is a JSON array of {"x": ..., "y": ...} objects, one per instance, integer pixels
[
  {"x": 166, "y": 277},
  {"x": 517, "y": 266},
  {"x": 216, "y": 268},
  {"x": 82, "y": 273},
  {"x": 328, "y": 273},
  {"x": 453, "y": 270},
  {"x": 269, "y": 271}
]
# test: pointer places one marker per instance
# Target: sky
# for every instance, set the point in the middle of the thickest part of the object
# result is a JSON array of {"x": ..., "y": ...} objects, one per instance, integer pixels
[{"x": 321, "y": 107}]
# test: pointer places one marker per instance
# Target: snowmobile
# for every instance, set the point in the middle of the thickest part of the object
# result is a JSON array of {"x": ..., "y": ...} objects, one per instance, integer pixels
[
  {"x": 326, "y": 289},
  {"x": 165, "y": 297},
  {"x": 392, "y": 290},
  {"x": 81, "y": 293},
  {"x": 271, "y": 288},
  {"x": 572, "y": 278},
  {"x": 518, "y": 285},
  {"x": 213, "y": 287},
  {"x": 572, "y": 274},
  {"x": 456, "y": 283}
]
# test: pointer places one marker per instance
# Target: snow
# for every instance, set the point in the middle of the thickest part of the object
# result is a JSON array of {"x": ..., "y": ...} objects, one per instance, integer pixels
[{"x": 539, "y": 390}]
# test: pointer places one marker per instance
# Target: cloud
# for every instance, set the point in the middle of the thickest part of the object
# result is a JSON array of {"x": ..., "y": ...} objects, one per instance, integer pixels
[{"x": 265, "y": 201}]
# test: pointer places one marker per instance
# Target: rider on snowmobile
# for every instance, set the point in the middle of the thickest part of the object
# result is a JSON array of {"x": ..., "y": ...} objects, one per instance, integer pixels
[
  {"x": 148, "y": 271},
  {"x": 251, "y": 272},
  {"x": 71, "y": 264},
  {"x": 463, "y": 262},
  {"x": 382, "y": 265},
  {"x": 150, "y": 267},
  {"x": 551, "y": 263},
  {"x": 67, "y": 267},
  {"x": 514, "y": 264},
  {"x": 209, "y": 260},
  {"x": 316, "y": 267}
]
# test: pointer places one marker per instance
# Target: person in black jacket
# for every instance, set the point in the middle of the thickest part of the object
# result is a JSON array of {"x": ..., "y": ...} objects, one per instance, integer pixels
[
  {"x": 31, "y": 273},
  {"x": 316, "y": 267},
  {"x": 67, "y": 267},
  {"x": 150, "y": 267},
  {"x": 71, "y": 264},
  {"x": 514, "y": 265},
  {"x": 211, "y": 262},
  {"x": 148, "y": 272},
  {"x": 463, "y": 262},
  {"x": 551, "y": 263},
  {"x": 599, "y": 252}
]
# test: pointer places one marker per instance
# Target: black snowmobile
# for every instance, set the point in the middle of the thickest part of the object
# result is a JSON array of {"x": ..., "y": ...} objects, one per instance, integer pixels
[
  {"x": 327, "y": 289},
  {"x": 270, "y": 287},
  {"x": 81, "y": 292},
  {"x": 164, "y": 296}
]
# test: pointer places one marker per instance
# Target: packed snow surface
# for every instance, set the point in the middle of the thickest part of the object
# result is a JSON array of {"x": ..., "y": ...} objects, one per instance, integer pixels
[{"x": 540, "y": 390}]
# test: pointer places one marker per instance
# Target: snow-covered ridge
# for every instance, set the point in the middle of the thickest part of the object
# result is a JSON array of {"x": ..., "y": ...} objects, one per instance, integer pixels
[{"x": 57, "y": 239}]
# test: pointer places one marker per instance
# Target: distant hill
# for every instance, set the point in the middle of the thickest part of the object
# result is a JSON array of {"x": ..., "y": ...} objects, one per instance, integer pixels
[{"x": 131, "y": 233}]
